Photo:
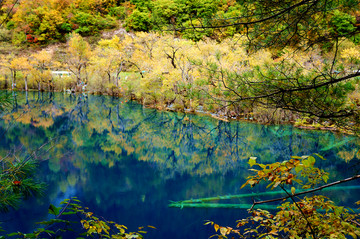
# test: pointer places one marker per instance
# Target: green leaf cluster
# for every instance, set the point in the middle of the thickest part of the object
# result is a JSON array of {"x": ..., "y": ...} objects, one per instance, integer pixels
[{"x": 17, "y": 182}]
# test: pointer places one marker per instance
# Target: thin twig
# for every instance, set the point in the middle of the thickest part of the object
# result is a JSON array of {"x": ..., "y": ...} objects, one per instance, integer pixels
[{"x": 301, "y": 211}]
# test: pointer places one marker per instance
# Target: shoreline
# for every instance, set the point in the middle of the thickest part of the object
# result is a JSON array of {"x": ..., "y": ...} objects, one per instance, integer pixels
[{"x": 196, "y": 112}]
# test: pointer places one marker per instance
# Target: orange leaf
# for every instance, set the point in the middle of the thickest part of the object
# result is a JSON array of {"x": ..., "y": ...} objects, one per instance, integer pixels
[{"x": 216, "y": 226}]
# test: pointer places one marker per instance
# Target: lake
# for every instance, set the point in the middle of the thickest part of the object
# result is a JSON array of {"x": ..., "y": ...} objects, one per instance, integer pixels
[{"x": 127, "y": 163}]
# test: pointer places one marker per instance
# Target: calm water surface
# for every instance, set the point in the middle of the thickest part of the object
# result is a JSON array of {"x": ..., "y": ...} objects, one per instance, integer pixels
[{"x": 126, "y": 162}]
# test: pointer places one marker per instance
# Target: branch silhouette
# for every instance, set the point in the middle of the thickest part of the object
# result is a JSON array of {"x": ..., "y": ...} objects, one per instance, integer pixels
[{"x": 306, "y": 192}]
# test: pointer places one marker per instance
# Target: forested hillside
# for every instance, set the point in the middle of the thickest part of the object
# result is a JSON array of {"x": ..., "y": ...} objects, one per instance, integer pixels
[{"x": 45, "y": 21}]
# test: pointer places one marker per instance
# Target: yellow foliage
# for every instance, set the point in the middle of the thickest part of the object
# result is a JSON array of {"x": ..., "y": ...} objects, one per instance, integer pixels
[
  {"x": 72, "y": 179},
  {"x": 20, "y": 64},
  {"x": 351, "y": 54},
  {"x": 42, "y": 59},
  {"x": 78, "y": 48},
  {"x": 260, "y": 58},
  {"x": 347, "y": 155}
]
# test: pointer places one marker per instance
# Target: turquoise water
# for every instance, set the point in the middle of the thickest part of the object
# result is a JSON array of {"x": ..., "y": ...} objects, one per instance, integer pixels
[{"x": 126, "y": 162}]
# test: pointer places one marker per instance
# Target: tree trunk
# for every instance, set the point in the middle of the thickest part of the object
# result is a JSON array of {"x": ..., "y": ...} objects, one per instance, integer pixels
[
  {"x": 13, "y": 80},
  {"x": 118, "y": 74},
  {"x": 6, "y": 82},
  {"x": 39, "y": 88},
  {"x": 27, "y": 97},
  {"x": 117, "y": 80},
  {"x": 26, "y": 85}
]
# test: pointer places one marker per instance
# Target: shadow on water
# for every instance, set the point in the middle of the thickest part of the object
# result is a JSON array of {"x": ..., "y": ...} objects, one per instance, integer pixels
[{"x": 126, "y": 162}]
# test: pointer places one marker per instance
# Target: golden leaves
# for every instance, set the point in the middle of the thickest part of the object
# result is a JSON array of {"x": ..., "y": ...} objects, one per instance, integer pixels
[
  {"x": 78, "y": 47},
  {"x": 287, "y": 172},
  {"x": 351, "y": 54}
]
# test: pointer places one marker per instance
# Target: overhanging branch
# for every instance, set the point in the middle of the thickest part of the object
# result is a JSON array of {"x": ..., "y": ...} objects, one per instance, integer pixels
[{"x": 306, "y": 192}]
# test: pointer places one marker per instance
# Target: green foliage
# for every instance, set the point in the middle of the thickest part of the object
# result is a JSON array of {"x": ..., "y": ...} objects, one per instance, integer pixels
[
  {"x": 342, "y": 23},
  {"x": 139, "y": 21},
  {"x": 10, "y": 25},
  {"x": 164, "y": 14},
  {"x": 90, "y": 24},
  {"x": 17, "y": 182},
  {"x": 18, "y": 38},
  {"x": 118, "y": 12},
  {"x": 141, "y": 4},
  {"x": 66, "y": 27}
]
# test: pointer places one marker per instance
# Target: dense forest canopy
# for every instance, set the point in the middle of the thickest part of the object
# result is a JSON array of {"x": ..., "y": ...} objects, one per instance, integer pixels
[{"x": 266, "y": 23}]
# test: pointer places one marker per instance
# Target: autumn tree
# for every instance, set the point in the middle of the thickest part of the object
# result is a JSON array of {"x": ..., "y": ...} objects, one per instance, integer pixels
[
  {"x": 77, "y": 58},
  {"x": 42, "y": 63},
  {"x": 17, "y": 64},
  {"x": 110, "y": 58},
  {"x": 24, "y": 66},
  {"x": 182, "y": 77}
]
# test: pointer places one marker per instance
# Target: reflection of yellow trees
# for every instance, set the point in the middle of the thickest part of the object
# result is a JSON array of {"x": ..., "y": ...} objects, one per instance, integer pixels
[
  {"x": 30, "y": 118},
  {"x": 38, "y": 116},
  {"x": 78, "y": 137},
  {"x": 118, "y": 144},
  {"x": 348, "y": 155},
  {"x": 54, "y": 165},
  {"x": 107, "y": 131},
  {"x": 63, "y": 185},
  {"x": 169, "y": 149},
  {"x": 72, "y": 179}
]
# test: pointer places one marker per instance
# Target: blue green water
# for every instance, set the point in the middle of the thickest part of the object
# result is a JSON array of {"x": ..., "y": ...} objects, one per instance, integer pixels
[{"x": 126, "y": 162}]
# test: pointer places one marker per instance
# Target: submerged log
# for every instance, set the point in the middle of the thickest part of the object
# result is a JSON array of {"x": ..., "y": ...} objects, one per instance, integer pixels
[
  {"x": 219, "y": 205},
  {"x": 207, "y": 202}
]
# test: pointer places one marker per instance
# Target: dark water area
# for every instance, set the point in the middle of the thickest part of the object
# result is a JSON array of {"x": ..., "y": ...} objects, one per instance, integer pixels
[{"x": 126, "y": 162}]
